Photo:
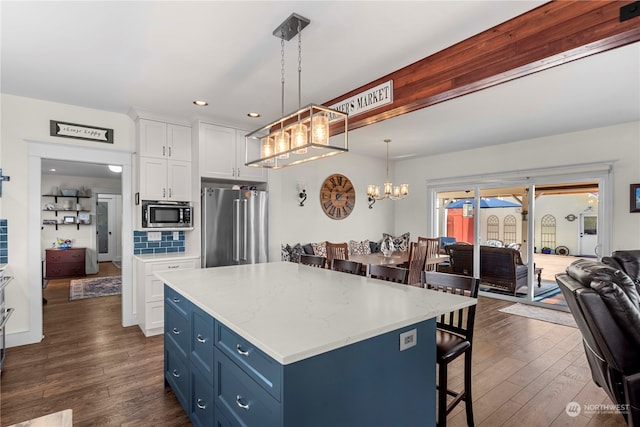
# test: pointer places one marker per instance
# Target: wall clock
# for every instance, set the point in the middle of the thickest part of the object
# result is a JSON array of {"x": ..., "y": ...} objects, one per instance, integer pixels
[{"x": 337, "y": 196}]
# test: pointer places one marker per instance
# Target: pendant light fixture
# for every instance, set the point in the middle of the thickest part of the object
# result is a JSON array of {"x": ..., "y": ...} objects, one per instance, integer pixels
[
  {"x": 390, "y": 192},
  {"x": 310, "y": 133}
]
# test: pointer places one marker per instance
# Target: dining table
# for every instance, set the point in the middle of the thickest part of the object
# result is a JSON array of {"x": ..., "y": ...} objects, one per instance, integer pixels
[{"x": 394, "y": 260}]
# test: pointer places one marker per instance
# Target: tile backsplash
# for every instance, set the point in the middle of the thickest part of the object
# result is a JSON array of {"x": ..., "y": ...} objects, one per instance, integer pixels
[
  {"x": 4, "y": 249},
  {"x": 166, "y": 244}
]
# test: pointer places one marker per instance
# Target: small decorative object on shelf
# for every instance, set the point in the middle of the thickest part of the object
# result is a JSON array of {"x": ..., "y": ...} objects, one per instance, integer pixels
[{"x": 64, "y": 243}]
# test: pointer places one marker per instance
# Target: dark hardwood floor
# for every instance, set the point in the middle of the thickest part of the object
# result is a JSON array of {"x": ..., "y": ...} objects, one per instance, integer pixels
[{"x": 525, "y": 371}]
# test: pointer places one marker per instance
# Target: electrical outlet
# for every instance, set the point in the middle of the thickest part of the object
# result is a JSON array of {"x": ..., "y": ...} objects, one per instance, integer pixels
[
  {"x": 154, "y": 236},
  {"x": 408, "y": 339},
  {"x": 176, "y": 235}
]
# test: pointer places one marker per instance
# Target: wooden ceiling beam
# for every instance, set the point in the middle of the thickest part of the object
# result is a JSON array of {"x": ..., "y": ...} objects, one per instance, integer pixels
[{"x": 547, "y": 36}]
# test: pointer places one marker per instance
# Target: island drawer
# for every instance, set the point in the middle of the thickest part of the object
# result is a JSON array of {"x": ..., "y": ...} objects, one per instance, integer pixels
[
  {"x": 176, "y": 329},
  {"x": 202, "y": 405},
  {"x": 176, "y": 373},
  {"x": 262, "y": 368},
  {"x": 175, "y": 300},
  {"x": 240, "y": 398},
  {"x": 202, "y": 340}
]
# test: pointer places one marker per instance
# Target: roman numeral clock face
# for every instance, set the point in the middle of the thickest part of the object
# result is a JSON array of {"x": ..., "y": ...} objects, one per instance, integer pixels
[{"x": 337, "y": 196}]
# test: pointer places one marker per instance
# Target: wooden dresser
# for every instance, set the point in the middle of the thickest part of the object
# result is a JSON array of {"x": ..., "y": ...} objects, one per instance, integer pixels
[{"x": 65, "y": 262}]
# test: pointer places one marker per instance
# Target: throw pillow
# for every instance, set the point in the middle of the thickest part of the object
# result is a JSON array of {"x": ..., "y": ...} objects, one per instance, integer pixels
[
  {"x": 320, "y": 249},
  {"x": 400, "y": 243},
  {"x": 285, "y": 252},
  {"x": 359, "y": 248},
  {"x": 296, "y": 251}
]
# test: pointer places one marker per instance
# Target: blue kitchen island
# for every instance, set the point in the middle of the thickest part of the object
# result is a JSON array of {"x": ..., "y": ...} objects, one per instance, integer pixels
[{"x": 282, "y": 344}]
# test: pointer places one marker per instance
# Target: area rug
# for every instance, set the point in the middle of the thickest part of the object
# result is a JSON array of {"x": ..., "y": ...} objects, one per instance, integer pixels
[
  {"x": 548, "y": 288},
  {"x": 539, "y": 313},
  {"x": 96, "y": 287}
]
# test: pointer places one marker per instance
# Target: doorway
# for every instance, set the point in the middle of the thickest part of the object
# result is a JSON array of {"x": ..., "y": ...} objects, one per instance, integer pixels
[
  {"x": 560, "y": 198},
  {"x": 588, "y": 237},
  {"x": 106, "y": 228},
  {"x": 42, "y": 150}
]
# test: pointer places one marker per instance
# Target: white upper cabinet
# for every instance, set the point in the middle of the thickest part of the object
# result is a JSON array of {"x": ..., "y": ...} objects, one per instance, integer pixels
[
  {"x": 222, "y": 154},
  {"x": 164, "y": 141},
  {"x": 164, "y": 161}
]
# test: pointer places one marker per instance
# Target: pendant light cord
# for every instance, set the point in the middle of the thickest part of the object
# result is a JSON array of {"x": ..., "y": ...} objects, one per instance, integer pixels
[
  {"x": 299, "y": 65},
  {"x": 282, "y": 67}
]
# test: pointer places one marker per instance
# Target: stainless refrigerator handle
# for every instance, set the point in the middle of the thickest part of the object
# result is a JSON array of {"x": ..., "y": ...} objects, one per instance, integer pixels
[
  {"x": 244, "y": 243},
  {"x": 236, "y": 231}
]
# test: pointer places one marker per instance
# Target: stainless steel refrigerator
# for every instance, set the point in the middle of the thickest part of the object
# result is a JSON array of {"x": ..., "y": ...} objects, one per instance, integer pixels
[{"x": 234, "y": 227}]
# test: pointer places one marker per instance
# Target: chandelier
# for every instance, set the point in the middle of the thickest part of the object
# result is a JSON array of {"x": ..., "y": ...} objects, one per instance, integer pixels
[
  {"x": 310, "y": 133},
  {"x": 390, "y": 192}
]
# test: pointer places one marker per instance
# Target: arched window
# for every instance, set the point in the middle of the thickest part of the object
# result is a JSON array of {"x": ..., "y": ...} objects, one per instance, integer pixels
[
  {"x": 509, "y": 229},
  {"x": 548, "y": 231},
  {"x": 493, "y": 228}
]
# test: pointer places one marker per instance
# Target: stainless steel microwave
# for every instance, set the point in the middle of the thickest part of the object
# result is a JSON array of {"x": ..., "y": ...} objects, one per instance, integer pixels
[{"x": 166, "y": 214}]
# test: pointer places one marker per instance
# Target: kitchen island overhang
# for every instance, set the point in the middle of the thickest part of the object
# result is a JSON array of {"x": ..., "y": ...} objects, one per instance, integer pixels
[{"x": 309, "y": 346}]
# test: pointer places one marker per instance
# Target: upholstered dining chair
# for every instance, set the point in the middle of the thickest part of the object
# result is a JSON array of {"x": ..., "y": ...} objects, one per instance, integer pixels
[
  {"x": 346, "y": 266},
  {"x": 388, "y": 273},
  {"x": 417, "y": 257},
  {"x": 337, "y": 251},
  {"x": 313, "y": 260},
  {"x": 454, "y": 338},
  {"x": 433, "y": 250}
]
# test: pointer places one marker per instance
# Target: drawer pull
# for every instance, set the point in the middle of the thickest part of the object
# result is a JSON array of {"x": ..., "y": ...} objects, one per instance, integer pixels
[
  {"x": 173, "y": 266},
  {"x": 241, "y": 352},
  {"x": 241, "y": 404},
  {"x": 175, "y": 373},
  {"x": 176, "y": 331},
  {"x": 176, "y": 300},
  {"x": 201, "y": 404},
  {"x": 201, "y": 339}
]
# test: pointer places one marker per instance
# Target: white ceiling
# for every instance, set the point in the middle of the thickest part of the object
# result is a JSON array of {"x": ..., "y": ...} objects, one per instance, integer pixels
[{"x": 160, "y": 56}]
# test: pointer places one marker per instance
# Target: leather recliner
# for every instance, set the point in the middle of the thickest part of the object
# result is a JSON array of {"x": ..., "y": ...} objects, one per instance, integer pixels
[{"x": 605, "y": 303}]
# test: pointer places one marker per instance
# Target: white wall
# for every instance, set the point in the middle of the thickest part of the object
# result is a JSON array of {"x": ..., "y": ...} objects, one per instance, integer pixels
[
  {"x": 25, "y": 119},
  {"x": 290, "y": 223},
  {"x": 620, "y": 144}
]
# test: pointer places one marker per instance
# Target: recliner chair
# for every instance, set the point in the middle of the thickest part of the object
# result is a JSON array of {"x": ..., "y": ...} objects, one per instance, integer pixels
[{"x": 605, "y": 304}]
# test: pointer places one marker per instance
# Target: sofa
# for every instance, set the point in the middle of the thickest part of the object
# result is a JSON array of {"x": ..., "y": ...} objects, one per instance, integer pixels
[
  {"x": 499, "y": 267},
  {"x": 604, "y": 300}
]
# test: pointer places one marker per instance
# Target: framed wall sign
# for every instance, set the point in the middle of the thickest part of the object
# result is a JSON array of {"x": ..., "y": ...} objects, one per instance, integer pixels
[
  {"x": 76, "y": 131},
  {"x": 634, "y": 199}
]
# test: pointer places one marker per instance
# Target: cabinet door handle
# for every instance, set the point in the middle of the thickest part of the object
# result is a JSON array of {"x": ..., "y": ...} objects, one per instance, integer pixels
[
  {"x": 176, "y": 300},
  {"x": 241, "y": 404},
  {"x": 169, "y": 151},
  {"x": 169, "y": 193},
  {"x": 176, "y": 331},
  {"x": 175, "y": 373},
  {"x": 201, "y": 339},
  {"x": 241, "y": 352},
  {"x": 201, "y": 404},
  {"x": 164, "y": 193},
  {"x": 163, "y": 151}
]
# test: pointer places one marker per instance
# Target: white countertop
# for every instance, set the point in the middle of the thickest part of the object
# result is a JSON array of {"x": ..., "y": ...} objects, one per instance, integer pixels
[
  {"x": 292, "y": 311},
  {"x": 169, "y": 256}
]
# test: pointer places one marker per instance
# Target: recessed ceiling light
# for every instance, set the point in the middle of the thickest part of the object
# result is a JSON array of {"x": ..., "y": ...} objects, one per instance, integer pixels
[
  {"x": 201, "y": 103},
  {"x": 253, "y": 115},
  {"x": 115, "y": 168},
  {"x": 52, "y": 170}
]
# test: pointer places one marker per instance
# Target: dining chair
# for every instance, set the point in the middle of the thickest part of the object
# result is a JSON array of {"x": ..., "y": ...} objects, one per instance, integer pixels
[
  {"x": 337, "y": 251},
  {"x": 417, "y": 257},
  {"x": 388, "y": 273},
  {"x": 346, "y": 266},
  {"x": 433, "y": 250},
  {"x": 454, "y": 338},
  {"x": 313, "y": 260}
]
